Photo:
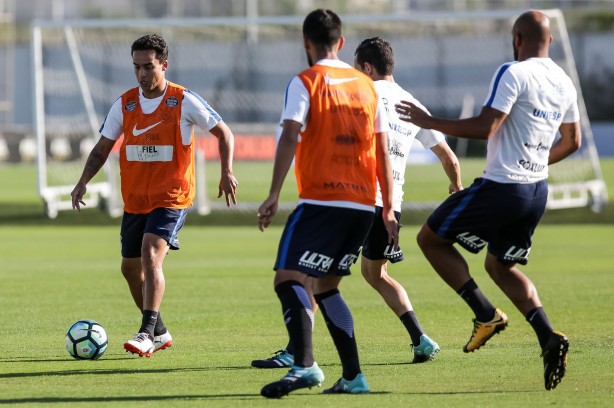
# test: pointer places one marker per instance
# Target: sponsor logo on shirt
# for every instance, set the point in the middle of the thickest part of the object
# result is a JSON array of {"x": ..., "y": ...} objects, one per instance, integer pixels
[
  {"x": 548, "y": 115},
  {"x": 401, "y": 130},
  {"x": 130, "y": 106},
  {"x": 149, "y": 153},
  {"x": 138, "y": 132},
  {"x": 339, "y": 185},
  {"x": 394, "y": 148},
  {"x": 172, "y": 101},
  {"x": 531, "y": 166},
  {"x": 336, "y": 81},
  {"x": 538, "y": 146},
  {"x": 346, "y": 139},
  {"x": 345, "y": 159}
]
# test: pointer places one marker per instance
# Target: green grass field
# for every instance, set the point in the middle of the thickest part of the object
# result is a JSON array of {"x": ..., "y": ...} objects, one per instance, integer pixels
[
  {"x": 222, "y": 312},
  {"x": 20, "y": 204}
]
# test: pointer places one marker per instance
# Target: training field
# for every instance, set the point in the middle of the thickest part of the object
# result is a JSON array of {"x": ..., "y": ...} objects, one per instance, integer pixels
[{"x": 222, "y": 312}]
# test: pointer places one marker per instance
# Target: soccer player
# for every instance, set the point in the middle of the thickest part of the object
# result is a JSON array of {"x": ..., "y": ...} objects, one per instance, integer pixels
[
  {"x": 375, "y": 58},
  {"x": 334, "y": 127},
  {"x": 157, "y": 177},
  {"x": 529, "y": 101}
]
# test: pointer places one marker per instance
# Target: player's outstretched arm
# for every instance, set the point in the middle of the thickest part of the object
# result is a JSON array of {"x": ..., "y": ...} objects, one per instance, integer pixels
[
  {"x": 450, "y": 165},
  {"x": 228, "y": 183},
  {"x": 96, "y": 159},
  {"x": 286, "y": 148},
  {"x": 479, "y": 127}
]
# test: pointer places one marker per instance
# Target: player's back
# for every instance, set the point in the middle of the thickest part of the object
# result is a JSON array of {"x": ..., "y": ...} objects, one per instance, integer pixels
[
  {"x": 538, "y": 96},
  {"x": 335, "y": 159}
]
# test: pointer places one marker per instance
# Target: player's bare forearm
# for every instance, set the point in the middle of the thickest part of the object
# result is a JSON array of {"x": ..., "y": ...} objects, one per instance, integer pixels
[
  {"x": 286, "y": 148},
  {"x": 228, "y": 183},
  {"x": 452, "y": 170},
  {"x": 569, "y": 142},
  {"x": 450, "y": 165},
  {"x": 226, "y": 144},
  {"x": 96, "y": 159},
  {"x": 384, "y": 176},
  {"x": 384, "y": 169}
]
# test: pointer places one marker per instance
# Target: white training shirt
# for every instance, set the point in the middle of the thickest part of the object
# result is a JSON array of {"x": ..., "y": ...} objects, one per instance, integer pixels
[
  {"x": 537, "y": 96},
  {"x": 400, "y": 137},
  {"x": 194, "y": 111}
]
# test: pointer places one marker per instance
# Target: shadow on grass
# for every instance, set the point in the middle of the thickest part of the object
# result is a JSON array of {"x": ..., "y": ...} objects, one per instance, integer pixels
[
  {"x": 153, "y": 398},
  {"x": 93, "y": 371},
  {"x": 141, "y": 398}
]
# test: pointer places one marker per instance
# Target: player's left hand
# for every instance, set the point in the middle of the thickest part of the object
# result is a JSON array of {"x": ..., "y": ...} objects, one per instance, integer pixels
[
  {"x": 409, "y": 112},
  {"x": 228, "y": 187},
  {"x": 77, "y": 196},
  {"x": 392, "y": 227},
  {"x": 266, "y": 211}
]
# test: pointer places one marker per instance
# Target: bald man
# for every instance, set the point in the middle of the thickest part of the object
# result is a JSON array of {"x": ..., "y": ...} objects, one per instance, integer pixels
[{"x": 530, "y": 100}]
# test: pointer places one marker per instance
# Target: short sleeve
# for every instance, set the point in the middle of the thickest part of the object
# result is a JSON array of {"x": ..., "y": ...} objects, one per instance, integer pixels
[
  {"x": 113, "y": 125},
  {"x": 198, "y": 112},
  {"x": 504, "y": 89},
  {"x": 296, "y": 102}
]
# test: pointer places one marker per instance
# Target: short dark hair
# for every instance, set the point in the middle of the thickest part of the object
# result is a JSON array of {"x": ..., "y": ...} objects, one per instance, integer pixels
[
  {"x": 322, "y": 27},
  {"x": 378, "y": 53},
  {"x": 152, "y": 42}
]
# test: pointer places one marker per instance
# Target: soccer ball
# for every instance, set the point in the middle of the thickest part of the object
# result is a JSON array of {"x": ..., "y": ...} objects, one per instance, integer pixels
[{"x": 86, "y": 340}]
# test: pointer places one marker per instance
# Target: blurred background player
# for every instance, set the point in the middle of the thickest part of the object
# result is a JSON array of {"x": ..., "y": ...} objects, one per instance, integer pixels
[
  {"x": 157, "y": 177},
  {"x": 375, "y": 58},
  {"x": 341, "y": 154},
  {"x": 529, "y": 101}
]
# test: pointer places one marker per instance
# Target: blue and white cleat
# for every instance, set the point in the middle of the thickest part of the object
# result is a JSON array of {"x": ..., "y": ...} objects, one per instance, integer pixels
[{"x": 358, "y": 385}]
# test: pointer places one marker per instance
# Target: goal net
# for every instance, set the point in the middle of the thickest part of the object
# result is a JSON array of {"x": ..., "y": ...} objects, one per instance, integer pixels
[{"x": 241, "y": 67}]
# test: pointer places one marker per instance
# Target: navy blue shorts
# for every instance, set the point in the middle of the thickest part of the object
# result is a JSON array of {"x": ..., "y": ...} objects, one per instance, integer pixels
[
  {"x": 164, "y": 222},
  {"x": 320, "y": 240},
  {"x": 376, "y": 245},
  {"x": 498, "y": 215}
]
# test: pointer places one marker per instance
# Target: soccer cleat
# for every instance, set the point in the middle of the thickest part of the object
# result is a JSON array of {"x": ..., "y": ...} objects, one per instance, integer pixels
[
  {"x": 555, "y": 359},
  {"x": 483, "y": 331},
  {"x": 297, "y": 378},
  {"x": 140, "y": 344},
  {"x": 426, "y": 350},
  {"x": 358, "y": 385},
  {"x": 281, "y": 359},
  {"x": 162, "y": 341}
]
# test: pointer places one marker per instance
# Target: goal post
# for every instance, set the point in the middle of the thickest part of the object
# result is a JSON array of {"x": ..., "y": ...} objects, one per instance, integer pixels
[{"x": 241, "y": 67}]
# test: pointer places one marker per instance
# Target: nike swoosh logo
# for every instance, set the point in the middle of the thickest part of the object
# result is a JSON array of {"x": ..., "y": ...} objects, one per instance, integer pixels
[
  {"x": 138, "y": 132},
  {"x": 337, "y": 81}
]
